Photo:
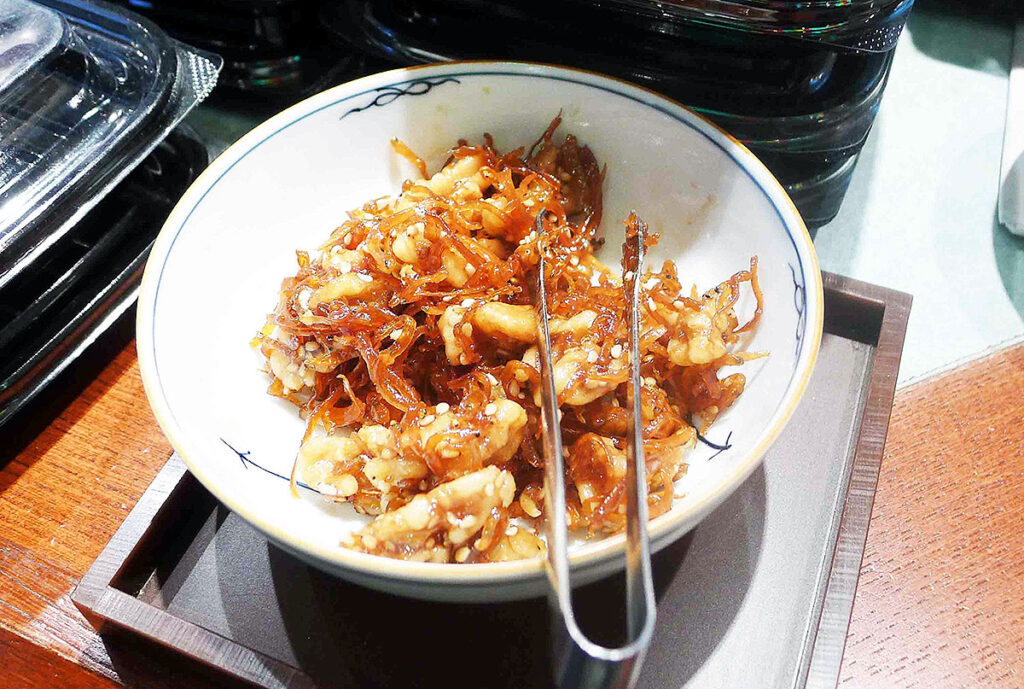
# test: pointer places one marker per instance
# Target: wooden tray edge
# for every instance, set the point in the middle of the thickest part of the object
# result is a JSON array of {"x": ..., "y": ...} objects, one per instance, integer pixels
[
  {"x": 102, "y": 604},
  {"x": 829, "y": 643}
]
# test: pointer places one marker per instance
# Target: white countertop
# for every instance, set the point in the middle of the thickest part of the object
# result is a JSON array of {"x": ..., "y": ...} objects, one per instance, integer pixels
[{"x": 920, "y": 215}]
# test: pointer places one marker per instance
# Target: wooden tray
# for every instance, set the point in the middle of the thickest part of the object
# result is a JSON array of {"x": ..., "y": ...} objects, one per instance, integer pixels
[{"x": 758, "y": 595}]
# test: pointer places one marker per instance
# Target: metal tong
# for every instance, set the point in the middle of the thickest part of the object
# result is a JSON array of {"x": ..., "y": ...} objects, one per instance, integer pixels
[{"x": 579, "y": 662}]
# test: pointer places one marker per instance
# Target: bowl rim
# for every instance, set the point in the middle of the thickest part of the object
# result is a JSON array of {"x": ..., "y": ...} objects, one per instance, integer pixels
[{"x": 661, "y": 528}]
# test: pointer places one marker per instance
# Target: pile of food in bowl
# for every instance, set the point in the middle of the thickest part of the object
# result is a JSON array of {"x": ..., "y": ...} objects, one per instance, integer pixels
[{"x": 409, "y": 344}]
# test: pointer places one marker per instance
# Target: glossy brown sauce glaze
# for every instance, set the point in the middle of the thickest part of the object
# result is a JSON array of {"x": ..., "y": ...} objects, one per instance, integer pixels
[{"x": 409, "y": 344}]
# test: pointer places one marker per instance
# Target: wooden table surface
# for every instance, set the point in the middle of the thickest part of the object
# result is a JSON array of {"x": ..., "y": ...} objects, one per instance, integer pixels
[{"x": 940, "y": 601}]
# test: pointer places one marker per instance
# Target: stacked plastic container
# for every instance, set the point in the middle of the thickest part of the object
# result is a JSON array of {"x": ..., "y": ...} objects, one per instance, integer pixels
[
  {"x": 273, "y": 48},
  {"x": 798, "y": 82},
  {"x": 88, "y": 98}
]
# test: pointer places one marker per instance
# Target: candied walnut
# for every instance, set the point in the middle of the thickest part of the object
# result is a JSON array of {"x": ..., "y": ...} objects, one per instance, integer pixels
[
  {"x": 330, "y": 464},
  {"x": 454, "y": 349},
  {"x": 704, "y": 329},
  {"x": 577, "y": 325},
  {"x": 386, "y": 469},
  {"x": 344, "y": 286},
  {"x": 516, "y": 543},
  {"x": 285, "y": 370},
  {"x": 507, "y": 322},
  {"x": 439, "y": 526},
  {"x": 462, "y": 178},
  {"x": 365, "y": 468},
  {"x": 451, "y": 446},
  {"x": 580, "y": 374}
]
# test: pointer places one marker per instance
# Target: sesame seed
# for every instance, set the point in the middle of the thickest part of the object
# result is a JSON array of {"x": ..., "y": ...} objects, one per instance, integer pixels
[
  {"x": 650, "y": 381},
  {"x": 492, "y": 379},
  {"x": 628, "y": 275},
  {"x": 651, "y": 282},
  {"x": 365, "y": 278},
  {"x": 591, "y": 356},
  {"x": 616, "y": 351},
  {"x": 427, "y": 420},
  {"x": 466, "y": 303},
  {"x": 595, "y": 279},
  {"x": 512, "y": 530},
  {"x": 652, "y": 304},
  {"x": 395, "y": 334},
  {"x": 574, "y": 260},
  {"x": 344, "y": 266},
  {"x": 468, "y": 522},
  {"x": 490, "y": 409},
  {"x": 443, "y": 408},
  {"x": 678, "y": 303}
]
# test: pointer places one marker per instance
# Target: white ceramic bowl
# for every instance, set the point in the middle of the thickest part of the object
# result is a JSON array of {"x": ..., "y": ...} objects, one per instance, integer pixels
[{"x": 218, "y": 263}]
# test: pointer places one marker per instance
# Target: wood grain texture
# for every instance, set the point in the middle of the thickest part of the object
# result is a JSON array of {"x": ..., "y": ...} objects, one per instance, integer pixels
[
  {"x": 61, "y": 499},
  {"x": 940, "y": 601},
  {"x": 27, "y": 665},
  {"x": 941, "y": 595}
]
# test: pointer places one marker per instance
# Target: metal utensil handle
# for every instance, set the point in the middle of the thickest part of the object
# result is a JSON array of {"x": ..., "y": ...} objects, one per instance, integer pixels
[{"x": 579, "y": 662}]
